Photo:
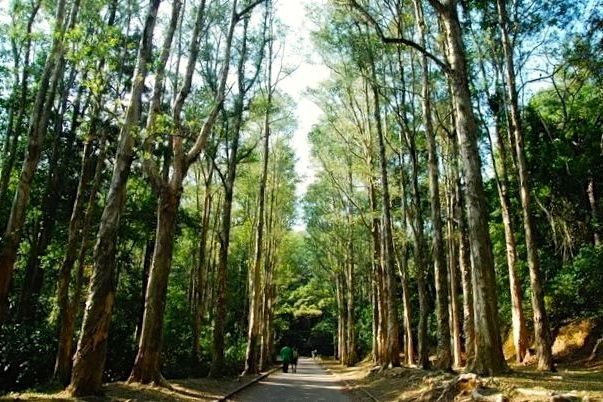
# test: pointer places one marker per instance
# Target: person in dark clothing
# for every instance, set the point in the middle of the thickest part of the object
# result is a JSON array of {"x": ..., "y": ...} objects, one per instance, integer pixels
[
  {"x": 294, "y": 360},
  {"x": 287, "y": 356}
]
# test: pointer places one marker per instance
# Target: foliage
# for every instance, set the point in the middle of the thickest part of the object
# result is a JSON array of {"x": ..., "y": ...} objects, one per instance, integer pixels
[
  {"x": 24, "y": 355},
  {"x": 576, "y": 290}
]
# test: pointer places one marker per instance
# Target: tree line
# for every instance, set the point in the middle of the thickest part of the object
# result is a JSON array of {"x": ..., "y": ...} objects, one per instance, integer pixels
[
  {"x": 431, "y": 212},
  {"x": 147, "y": 151},
  {"x": 131, "y": 137}
]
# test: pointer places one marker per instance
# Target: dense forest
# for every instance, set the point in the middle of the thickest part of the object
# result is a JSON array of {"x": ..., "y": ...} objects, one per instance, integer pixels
[{"x": 152, "y": 223}]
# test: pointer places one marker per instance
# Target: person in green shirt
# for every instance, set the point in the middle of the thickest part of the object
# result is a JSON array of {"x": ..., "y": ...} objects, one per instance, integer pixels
[{"x": 287, "y": 356}]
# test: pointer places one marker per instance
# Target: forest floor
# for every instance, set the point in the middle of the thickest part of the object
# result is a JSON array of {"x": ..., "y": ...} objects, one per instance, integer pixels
[
  {"x": 578, "y": 351},
  {"x": 197, "y": 389},
  {"x": 521, "y": 384}
]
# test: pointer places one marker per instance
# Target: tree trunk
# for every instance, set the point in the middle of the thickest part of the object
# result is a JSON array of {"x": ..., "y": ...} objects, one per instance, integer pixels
[
  {"x": 542, "y": 334},
  {"x": 268, "y": 299},
  {"x": 252, "y": 356},
  {"x": 244, "y": 85},
  {"x": 594, "y": 211},
  {"x": 489, "y": 358},
  {"x": 90, "y": 357},
  {"x": 68, "y": 310},
  {"x": 420, "y": 259},
  {"x": 375, "y": 314},
  {"x": 393, "y": 348},
  {"x": 453, "y": 270},
  {"x": 520, "y": 332},
  {"x": 53, "y": 71},
  {"x": 349, "y": 279},
  {"x": 146, "y": 269},
  {"x": 342, "y": 346},
  {"x": 403, "y": 271},
  {"x": 380, "y": 295},
  {"x": 218, "y": 363},
  {"x": 202, "y": 270},
  {"x": 34, "y": 276},
  {"x": 147, "y": 366},
  {"x": 444, "y": 358},
  {"x": 467, "y": 284}
]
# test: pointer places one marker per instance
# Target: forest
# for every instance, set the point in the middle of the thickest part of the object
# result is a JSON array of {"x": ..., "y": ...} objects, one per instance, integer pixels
[{"x": 155, "y": 225}]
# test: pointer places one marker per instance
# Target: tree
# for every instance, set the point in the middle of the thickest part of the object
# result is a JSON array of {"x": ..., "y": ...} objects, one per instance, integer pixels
[
  {"x": 542, "y": 333},
  {"x": 45, "y": 96},
  {"x": 89, "y": 360}
]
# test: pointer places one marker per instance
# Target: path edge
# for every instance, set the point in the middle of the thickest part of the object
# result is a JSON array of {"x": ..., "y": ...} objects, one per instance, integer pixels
[{"x": 247, "y": 384}]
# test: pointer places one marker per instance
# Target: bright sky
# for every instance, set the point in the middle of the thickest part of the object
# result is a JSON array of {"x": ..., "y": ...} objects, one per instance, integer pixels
[{"x": 309, "y": 73}]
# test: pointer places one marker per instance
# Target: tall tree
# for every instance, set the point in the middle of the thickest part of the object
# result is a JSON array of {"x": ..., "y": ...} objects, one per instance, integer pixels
[
  {"x": 444, "y": 357},
  {"x": 228, "y": 178},
  {"x": 147, "y": 365},
  {"x": 252, "y": 358},
  {"x": 17, "y": 111},
  {"x": 45, "y": 97},
  {"x": 89, "y": 361},
  {"x": 542, "y": 334}
]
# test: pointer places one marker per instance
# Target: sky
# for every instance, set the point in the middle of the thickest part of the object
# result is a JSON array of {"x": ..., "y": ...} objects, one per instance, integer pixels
[{"x": 309, "y": 73}]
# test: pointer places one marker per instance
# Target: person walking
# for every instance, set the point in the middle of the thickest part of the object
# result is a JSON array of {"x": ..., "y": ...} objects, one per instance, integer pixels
[
  {"x": 294, "y": 360},
  {"x": 287, "y": 356}
]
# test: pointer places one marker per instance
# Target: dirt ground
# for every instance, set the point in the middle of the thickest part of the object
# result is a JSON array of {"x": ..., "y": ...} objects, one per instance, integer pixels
[
  {"x": 202, "y": 389},
  {"x": 521, "y": 384},
  {"x": 578, "y": 351}
]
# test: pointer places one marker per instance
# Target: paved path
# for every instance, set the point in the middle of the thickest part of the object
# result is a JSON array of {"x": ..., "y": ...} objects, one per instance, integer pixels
[{"x": 310, "y": 383}]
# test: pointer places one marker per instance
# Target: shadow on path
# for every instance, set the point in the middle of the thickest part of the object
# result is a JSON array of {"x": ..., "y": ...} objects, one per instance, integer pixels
[{"x": 310, "y": 383}]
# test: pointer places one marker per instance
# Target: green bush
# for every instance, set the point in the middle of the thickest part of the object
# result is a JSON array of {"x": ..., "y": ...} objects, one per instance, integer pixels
[
  {"x": 577, "y": 290},
  {"x": 26, "y": 355}
]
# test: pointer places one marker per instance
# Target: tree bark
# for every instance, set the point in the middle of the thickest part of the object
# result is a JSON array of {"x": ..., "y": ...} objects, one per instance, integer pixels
[
  {"x": 378, "y": 264},
  {"x": 342, "y": 345},
  {"x": 403, "y": 271},
  {"x": 147, "y": 366},
  {"x": 467, "y": 285}
]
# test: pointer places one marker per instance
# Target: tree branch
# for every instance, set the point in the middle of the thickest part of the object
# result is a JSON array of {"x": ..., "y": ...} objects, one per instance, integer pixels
[
  {"x": 248, "y": 9},
  {"x": 400, "y": 40}
]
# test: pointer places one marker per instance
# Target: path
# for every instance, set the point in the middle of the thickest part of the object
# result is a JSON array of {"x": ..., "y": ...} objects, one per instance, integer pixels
[{"x": 310, "y": 383}]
